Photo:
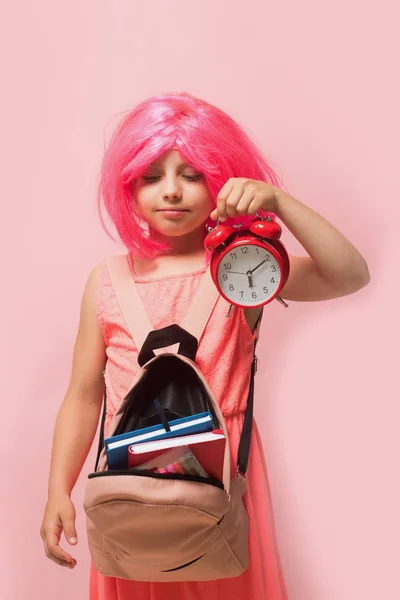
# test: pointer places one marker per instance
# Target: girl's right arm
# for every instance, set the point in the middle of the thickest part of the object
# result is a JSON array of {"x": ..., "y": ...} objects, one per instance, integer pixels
[{"x": 75, "y": 427}]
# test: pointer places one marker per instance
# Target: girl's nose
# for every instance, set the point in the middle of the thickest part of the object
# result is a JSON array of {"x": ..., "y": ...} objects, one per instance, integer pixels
[{"x": 172, "y": 189}]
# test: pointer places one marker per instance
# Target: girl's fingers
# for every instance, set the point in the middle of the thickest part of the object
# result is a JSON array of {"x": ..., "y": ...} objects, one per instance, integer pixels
[
  {"x": 237, "y": 197},
  {"x": 255, "y": 205},
  {"x": 245, "y": 202},
  {"x": 54, "y": 550},
  {"x": 54, "y": 558},
  {"x": 232, "y": 201},
  {"x": 222, "y": 198}
]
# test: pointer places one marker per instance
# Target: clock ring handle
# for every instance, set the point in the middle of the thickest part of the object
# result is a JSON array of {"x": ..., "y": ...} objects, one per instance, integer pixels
[
  {"x": 218, "y": 222},
  {"x": 267, "y": 218}
]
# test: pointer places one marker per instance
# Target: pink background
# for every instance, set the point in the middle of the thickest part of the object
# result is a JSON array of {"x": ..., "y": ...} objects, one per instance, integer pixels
[{"x": 314, "y": 83}]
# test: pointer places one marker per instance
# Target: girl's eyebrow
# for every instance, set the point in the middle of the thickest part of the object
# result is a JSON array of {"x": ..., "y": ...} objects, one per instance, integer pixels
[
  {"x": 188, "y": 165},
  {"x": 180, "y": 166}
]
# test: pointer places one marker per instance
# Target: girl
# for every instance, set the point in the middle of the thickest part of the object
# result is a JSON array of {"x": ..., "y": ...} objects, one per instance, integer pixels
[{"x": 174, "y": 163}]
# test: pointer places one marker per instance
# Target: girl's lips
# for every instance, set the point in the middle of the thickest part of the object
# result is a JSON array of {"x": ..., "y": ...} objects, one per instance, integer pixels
[{"x": 173, "y": 214}]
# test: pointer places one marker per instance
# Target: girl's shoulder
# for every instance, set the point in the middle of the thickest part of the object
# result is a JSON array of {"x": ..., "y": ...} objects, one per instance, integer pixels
[
  {"x": 99, "y": 277},
  {"x": 102, "y": 297},
  {"x": 99, "y": 272},
  {"x": 109, "y": 267},
  {"x": 96, "y": 278}
]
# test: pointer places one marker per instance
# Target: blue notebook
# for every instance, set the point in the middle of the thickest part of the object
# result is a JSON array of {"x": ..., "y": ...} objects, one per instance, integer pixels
[{"x": 117, "y": 445}]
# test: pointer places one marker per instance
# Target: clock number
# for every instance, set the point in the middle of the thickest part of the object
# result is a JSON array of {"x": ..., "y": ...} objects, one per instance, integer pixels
[
  {"x": 241, "y": 294},
  {"x": 227, "y": 266},
  {"x": 267, "y": 257},
  {"x": 231, "y": 288},
  {"x": 265, "y": 290},
  {"x": 244, "y": 250},
  {"x": 273, "y": 268},
  {"x": 257, "y": 250},
  {"x": 273, "y": 280},
  {"x": 224, "y": 276},
  {"x": 254, "y": 295},
  {"x": 233, "y": 255}
]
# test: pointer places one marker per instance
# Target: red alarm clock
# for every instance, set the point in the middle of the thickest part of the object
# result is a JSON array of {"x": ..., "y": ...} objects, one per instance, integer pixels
[{"x": 250, "y": 265}]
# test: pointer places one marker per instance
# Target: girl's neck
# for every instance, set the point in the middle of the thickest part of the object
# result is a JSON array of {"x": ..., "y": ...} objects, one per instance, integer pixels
[
  {"x": 181, "y": 245},
  {"x": 186, "y": 254},
  {"x": 171, "y": 263}
]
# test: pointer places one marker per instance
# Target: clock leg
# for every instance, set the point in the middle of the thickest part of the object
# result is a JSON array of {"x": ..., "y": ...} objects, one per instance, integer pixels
[
  {"x": 228, "y": 314},
  {"x": 282, "y": 301}
]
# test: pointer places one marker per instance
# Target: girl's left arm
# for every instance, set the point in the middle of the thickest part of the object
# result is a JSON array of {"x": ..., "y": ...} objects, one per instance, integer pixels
[{"x": 334, "y": 266}]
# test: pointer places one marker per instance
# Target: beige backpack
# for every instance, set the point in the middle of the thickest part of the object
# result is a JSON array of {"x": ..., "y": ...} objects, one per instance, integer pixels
[{"x": 153, "y": 527}]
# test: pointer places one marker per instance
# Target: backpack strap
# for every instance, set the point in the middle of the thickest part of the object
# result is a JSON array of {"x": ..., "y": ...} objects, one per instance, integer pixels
[
  {"x": 245, "y": 437},
  {"x": 136, "y": 317},
  {"x": 135, "y": 314},
  {"x": 201, "y": 307}
]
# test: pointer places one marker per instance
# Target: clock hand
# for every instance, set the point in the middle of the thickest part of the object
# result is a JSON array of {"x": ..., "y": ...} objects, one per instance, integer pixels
[
  {"x": 259, "y": 265},
  {"x": 249, "y": 277},
  {"x": 237, "y": 272}
]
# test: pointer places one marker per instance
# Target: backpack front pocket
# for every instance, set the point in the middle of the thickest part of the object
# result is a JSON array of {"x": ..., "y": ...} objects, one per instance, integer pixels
[{"x": 132, "y": 513}]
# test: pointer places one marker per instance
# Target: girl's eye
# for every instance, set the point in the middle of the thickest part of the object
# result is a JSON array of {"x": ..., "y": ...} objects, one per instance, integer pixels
[
  {"x": 150, "y": 178},
  {"x": 192, "y": 176},
  {"x": 187, "y": 176}
]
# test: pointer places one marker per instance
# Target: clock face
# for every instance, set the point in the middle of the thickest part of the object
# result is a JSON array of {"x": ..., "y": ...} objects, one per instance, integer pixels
[{"x": 249, "y": 275}]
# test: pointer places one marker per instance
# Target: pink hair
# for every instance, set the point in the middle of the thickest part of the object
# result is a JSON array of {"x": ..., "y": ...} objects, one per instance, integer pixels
[{"x": 204, "y": 135}]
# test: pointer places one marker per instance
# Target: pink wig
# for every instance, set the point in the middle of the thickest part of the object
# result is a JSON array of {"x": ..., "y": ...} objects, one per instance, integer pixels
[{"x": 204, "y": 135}]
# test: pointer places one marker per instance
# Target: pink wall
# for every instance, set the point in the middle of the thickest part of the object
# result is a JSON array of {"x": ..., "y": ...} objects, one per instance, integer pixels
[{"x": 314, "y": 82}]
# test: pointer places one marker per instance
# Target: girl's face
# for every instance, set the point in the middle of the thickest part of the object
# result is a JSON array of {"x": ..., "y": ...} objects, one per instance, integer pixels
[{"x": 173, "y": 197}]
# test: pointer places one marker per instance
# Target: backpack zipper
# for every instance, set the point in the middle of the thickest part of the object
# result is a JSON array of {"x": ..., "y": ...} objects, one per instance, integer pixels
[{"x": 177, "y": 476}]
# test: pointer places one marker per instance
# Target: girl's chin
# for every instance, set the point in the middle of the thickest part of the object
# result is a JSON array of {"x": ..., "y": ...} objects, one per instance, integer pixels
[{"x": 176, "y": 231}]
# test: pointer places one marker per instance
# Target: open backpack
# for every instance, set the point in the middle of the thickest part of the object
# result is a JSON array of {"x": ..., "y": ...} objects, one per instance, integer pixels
[{"x": 147, "y": 526}]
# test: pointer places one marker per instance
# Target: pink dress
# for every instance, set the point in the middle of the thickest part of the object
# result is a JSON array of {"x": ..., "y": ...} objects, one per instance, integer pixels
[{"x": 224, "y": 356}]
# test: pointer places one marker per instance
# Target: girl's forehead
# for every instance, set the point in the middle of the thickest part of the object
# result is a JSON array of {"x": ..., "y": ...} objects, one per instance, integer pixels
[{"x": 170, "y": 157}]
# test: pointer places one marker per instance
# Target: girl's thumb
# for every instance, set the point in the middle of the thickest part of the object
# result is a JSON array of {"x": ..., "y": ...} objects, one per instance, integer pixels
[
  {"x": 70, "y": 531},
  {"x": 72, "y": 540}
]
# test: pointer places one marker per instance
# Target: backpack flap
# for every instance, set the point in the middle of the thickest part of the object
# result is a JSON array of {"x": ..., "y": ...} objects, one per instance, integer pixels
[{"x": 166, "y": 337}]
